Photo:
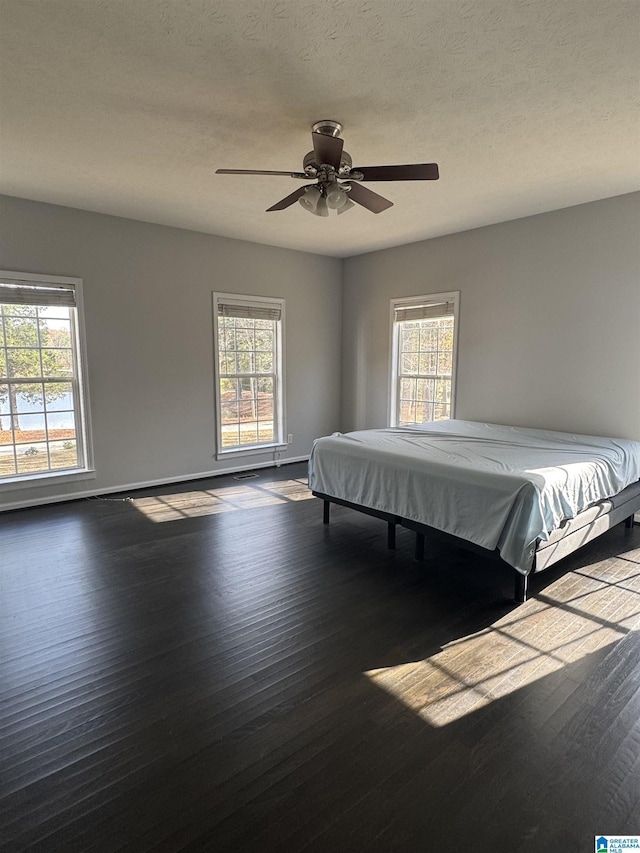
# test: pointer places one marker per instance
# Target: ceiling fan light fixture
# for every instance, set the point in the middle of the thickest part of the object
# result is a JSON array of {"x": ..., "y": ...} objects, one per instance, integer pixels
[
  {"x": 346, "y": 206},
  {"x": 314, "y": 201},
  {"x": 336, "y": 196}
]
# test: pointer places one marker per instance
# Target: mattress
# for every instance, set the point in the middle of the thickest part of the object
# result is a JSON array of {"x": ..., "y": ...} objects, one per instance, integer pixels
[{"x": 499, "y": 487}]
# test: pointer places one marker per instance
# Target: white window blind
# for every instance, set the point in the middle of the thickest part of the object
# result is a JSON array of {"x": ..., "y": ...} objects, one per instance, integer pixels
[
  {"x": 21, "y": 293},
  {"x": 428, "y": 311},
  {"x": 247, "y": 311}
]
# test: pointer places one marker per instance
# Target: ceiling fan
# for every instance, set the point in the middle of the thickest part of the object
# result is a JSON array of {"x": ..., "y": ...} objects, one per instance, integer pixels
[{"x": 338, "y": 183}]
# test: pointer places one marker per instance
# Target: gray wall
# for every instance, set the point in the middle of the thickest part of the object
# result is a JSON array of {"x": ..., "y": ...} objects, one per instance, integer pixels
[
  {"x": 148, "y": 317},
  {"x": 549, "y": 331}
]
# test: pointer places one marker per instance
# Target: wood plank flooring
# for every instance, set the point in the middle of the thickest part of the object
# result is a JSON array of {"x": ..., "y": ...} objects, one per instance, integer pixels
[{"x": 208, "y": 667}]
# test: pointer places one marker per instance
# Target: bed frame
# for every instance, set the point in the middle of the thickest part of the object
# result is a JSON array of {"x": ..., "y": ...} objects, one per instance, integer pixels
[{"x": 571, "y": 535}]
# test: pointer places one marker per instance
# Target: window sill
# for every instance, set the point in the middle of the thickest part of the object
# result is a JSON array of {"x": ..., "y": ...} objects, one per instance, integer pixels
[
  {"x": 47, "y": 478},
  {"x": 251, "y": 450}
]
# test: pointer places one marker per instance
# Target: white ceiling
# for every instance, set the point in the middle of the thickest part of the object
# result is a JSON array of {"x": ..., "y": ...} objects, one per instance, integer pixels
[{"x": 128, "y": 107}]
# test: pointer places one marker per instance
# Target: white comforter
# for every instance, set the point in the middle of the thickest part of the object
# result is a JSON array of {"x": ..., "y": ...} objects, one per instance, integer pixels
[{"x": 497, "y": 486}]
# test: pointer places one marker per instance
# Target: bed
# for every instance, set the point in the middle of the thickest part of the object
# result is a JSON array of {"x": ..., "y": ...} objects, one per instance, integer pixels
[{"x": 529, "y": 497}]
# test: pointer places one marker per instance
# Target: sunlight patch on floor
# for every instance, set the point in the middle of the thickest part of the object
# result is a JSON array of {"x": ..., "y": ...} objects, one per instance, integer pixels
[
  {"x": 582, "y": 612},
  {"x": 192, "y": 504}
]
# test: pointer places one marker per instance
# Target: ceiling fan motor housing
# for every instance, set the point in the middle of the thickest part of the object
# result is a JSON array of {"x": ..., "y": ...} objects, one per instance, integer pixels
[{"x": 312, "y": 168}]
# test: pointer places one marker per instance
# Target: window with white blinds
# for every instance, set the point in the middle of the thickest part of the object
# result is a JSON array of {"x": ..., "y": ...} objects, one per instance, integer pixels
[
  {"x": 248, "y": 337},
  {"x": 43, "y": 413},
  {"x": 424, "y": 331}
]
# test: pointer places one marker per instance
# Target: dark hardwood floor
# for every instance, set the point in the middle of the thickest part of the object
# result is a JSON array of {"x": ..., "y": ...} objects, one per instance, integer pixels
[{"x": 207, "y": 667}]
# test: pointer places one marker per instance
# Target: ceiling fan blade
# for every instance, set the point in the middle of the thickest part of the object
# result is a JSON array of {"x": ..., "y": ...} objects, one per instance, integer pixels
[
  {"x": 289, "y": 200},
  {"x": 260, "y": 172},
  {"x": 367, "y": 198},
  {"x": 328, "y": 149},
  {"x": 409, "y": 172}
]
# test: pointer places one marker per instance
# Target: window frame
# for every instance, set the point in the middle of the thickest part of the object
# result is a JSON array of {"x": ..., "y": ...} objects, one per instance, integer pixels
[
  {"x": 452, "y": 296},
  {"x": 84, "y": 443},
  {"x": 279, "y": 414}
]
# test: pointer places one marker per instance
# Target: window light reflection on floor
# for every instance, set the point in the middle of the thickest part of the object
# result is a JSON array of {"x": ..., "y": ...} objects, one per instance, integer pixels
[
  {"x": 579, "y": 614},
  {"x": 173, "y": 507}
]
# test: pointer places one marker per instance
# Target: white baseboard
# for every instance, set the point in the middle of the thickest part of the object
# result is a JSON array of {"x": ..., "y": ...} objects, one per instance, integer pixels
[{"x": 163, "y": 481}]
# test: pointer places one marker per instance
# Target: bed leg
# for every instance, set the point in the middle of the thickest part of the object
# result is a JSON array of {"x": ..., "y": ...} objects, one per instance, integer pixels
[
  {"x": 628, "y": 522},
  {"x": 391, "y": 535},
  {"x": 326, "y": 512},
  {"x": 419, "y": 552},
  {"x": 522, "y": 587}
]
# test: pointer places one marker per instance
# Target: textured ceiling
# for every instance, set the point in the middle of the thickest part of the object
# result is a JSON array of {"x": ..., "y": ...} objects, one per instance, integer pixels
[{"x": 128, "y": 107}]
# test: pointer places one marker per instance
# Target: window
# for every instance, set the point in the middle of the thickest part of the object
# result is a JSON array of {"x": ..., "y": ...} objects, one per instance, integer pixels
[
  {"x": 249, "y": 358},
  {"x": 42, "y": 406},
  {"x": 423, "y": 358}
]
